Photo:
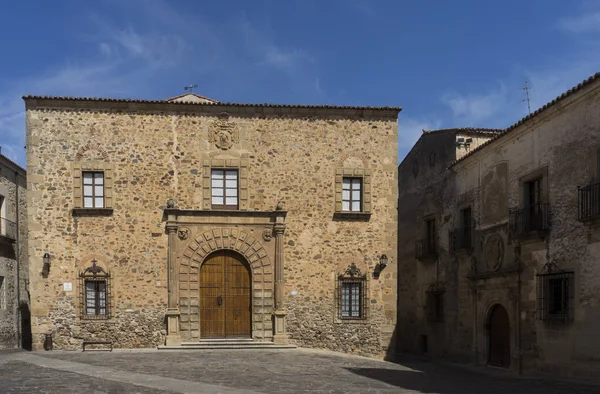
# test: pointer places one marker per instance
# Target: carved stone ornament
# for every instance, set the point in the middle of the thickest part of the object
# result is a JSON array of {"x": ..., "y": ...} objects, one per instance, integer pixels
[
  {"x": 170, "y": 203},
  {"x": 494, "y": 252},
  {"x": 352, "y": 272},
  {"x": 267, "y": 234},
  {"x": 183, "y": 233},
  {"x": 223, "y": 133}
]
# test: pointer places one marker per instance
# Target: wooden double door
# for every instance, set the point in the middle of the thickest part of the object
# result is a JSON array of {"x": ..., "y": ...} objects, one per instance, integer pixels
[
  {"x": 225, "y": 296},
  {"x": 499, "y": 351}
]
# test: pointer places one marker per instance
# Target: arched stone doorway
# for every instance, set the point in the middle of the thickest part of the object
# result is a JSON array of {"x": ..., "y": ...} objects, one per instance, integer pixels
[
  {"x": 499, "y": 337},
  {"x": 225, "y": 288}
]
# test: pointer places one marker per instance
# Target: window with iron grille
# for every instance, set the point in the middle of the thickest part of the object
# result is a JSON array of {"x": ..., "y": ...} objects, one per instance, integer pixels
[
  {"x": 435, "y": 302},
  {"x": 555, "y": 295},
  {"x": 95, "y": 292},
  {"x": 352, "y": 195},
  {"x": 93, "y": 189},
  {"x": 352, "y": 295},
  {"x": 224, "y": 189}
]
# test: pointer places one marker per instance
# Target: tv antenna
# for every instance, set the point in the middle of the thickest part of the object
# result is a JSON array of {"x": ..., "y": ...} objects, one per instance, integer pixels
[
  {"x": 527, "y": 98},
  {"x": 190, "y": 88}
]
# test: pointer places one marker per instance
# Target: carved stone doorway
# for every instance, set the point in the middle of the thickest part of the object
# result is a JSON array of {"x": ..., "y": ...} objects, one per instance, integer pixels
[
  {"x": 499, "y": 336},
  {"x": 225, "y": 296}
]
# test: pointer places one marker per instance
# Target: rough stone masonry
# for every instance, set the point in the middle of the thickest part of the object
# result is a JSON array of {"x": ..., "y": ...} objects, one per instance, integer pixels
[{"x": 153, "y": 249}]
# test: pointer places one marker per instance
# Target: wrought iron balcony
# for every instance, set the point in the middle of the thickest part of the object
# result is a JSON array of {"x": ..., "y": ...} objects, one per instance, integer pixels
[
  {"x": 426, "y": 248},
  {"x": 461, "y": 238},
  {"x": 589, "y": 201},
  {"x": 8, "y": 230},
  {"x": 532, "y": 219}
]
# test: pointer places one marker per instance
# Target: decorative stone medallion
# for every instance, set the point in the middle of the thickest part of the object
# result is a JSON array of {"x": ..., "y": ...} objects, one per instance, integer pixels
[
  {"x": 494, "y": 252},
  {"x": 267, "y": 234},
  {"x": 223, "y": 132},
  {"x": 183, "y": 233}
]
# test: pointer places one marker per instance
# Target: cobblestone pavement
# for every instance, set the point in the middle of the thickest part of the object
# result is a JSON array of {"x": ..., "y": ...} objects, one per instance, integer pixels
[{"x": 252, "y": 371}]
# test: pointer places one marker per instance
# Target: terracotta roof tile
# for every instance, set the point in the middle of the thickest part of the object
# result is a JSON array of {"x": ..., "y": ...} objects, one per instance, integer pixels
[
  {"x": 477, "y": 130},
  {"x": 4, "y": 158},
  {"x": 563, "y": 96},
  {"x": 219, "y": 104}
]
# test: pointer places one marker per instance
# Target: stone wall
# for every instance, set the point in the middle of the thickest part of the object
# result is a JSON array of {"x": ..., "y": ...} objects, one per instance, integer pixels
[
  {"x": 14, "y": 302},
  {"x": 560, "y": 145},
  {"x": 157, "y": 152}
]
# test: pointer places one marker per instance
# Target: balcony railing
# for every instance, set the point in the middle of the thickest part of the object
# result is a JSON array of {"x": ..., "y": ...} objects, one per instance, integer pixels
[
  {"x": 535, "y": 218},
  {"x": 461, "y": 239},
  {"x": 589, "y": 201},
  {"x": 426, "y": 248},
  {"x": 8, "y": 229}
]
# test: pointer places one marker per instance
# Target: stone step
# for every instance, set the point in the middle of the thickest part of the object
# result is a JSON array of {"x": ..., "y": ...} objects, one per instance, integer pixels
[{"x": 245, "y": 346}]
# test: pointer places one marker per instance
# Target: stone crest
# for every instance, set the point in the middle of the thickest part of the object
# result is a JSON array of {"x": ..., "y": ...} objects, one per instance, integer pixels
[
  {"x": 223, "y": 132},
  {"x": 494, "y": 252}
]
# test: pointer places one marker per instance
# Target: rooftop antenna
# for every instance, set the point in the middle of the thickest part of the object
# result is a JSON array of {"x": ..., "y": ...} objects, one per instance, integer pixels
[
  {"x": 526, "y": 89},
  {"x": 190, "y": 88}
]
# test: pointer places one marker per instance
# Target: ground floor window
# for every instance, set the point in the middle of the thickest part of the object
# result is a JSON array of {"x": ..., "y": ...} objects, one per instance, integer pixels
[
  {"x": 95, "y": 289},
  {"x": 352, "y": 295},
  {"x": 555, "y": 295}
]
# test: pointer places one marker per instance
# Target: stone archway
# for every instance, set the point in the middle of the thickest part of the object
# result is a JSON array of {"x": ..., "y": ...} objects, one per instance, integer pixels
[
  {"x": 499, "y": 337},
  {"x": 196, "y": 252}
]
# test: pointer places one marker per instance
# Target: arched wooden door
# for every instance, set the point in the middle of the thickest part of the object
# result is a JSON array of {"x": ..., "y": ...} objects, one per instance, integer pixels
[
  {"x": 225, "y": 296},
  {"x": 499, "y": 351}
]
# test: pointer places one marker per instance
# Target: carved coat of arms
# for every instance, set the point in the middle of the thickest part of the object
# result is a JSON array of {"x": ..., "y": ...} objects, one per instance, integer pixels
[{"x": 223, "y": 133}]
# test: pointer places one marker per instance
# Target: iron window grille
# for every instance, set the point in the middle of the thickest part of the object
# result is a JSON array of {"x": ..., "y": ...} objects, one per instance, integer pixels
[
  {"x": 93, "y": 189},
  {"x": 95, "y": 292},
  {"x": 352, "y": 195},
  {"x": 224, "y": 189},
  {"x": 435, "y": 302},
  {"x": 352, "y": 295},
  {"x": 531, "y": 218},
  {"x": 555, "y": 293},
  {"x": 589, "y": 201}
]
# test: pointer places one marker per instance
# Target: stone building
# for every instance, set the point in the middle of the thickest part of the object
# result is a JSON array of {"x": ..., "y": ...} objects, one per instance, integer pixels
[
  {"x": 15, "y": 328},
  {"x": 499, "y": 241},
  {"x": 173, "y": 222}
]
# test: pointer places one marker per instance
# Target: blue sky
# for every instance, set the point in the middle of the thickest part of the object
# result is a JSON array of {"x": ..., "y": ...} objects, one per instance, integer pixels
[{"x": 447, "y": 63}]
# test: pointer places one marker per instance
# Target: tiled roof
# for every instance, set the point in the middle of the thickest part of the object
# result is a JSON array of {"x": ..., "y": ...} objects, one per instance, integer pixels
[
  {"x": 219, "y": 104},
  {"x": 6, "y": 159},
  {"x": 477, "y": 130},
  {"x": 563, "y": 96}
]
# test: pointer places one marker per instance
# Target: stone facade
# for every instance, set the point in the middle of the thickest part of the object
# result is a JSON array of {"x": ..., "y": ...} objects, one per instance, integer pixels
[
  {"x": 157, "y": 227},
  {"x": 15, "y": 328},
  {"x": 535, "y": 262}
]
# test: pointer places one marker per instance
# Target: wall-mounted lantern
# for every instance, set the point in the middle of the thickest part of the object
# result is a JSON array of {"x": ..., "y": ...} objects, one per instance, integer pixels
[
  {"x": 46, "y": 266},
  {"x": 383, "y": 261}
]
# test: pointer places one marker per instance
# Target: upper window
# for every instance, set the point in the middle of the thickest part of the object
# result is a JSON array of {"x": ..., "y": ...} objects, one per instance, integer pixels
[
  {"x": 93, "y": 189},
  {"x": 95, "y": 292},
  {"x": 224, "y": 189},
  {"x": 352, "y": 195},
  {"x": 2, "y": 291}
]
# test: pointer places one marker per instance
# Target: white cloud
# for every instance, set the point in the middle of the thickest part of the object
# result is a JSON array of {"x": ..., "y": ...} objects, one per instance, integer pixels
[
  {"x": 473, "y": 109},
  {"x": 587, "y": 22}
]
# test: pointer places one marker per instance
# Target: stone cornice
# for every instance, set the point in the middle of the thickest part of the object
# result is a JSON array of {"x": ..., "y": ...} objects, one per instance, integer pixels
[
  {"x": 223, "y": 213},
  {"x": 234, "y": 109}
]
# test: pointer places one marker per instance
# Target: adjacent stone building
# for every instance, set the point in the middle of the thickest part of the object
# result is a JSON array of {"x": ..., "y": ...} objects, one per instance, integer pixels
[
  {"x": 499, "y": 241},
  {"x": 15, "y": 328},
  {"x": 171, "y": 222}
]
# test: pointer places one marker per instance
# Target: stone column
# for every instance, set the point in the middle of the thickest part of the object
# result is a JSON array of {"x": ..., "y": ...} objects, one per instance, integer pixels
[
  {"x": 173, "y": 336},
  {"x": 280, "y": 336}
]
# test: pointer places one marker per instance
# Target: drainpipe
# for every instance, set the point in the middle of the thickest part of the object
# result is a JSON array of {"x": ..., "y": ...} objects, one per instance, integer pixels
[
  {"x": 519, "y": 345},
  {"x": 17, "y": 251}
]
